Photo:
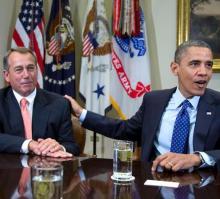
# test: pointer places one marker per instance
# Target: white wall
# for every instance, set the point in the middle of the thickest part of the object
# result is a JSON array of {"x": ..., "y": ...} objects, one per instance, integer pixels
[
  {"x": 164, "y": 19},
  {"x": 6, "y": 16}
]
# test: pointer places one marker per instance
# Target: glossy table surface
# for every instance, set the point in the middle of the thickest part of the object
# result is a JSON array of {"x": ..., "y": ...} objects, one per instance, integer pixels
[{"x": 91, "y": 178}]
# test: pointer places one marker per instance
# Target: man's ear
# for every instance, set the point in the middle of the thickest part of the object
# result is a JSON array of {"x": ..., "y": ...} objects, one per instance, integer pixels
[
  {"x": 174, "y": 68},
  {"x": 6, "y": 76}
]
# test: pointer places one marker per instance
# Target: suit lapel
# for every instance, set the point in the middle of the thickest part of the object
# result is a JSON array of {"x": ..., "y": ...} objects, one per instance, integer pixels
[
  {"x": 152, "y": 120},
  {"x": 40, "y": 115},
  {"x": 205, "y": 114},
  {"x": 159, "y": 108},
  {"x": 14, "y": 114}
]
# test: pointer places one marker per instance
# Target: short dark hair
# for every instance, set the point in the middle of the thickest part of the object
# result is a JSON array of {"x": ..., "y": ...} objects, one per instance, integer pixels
[
  {"x": 21, "y": 50},
  {"x": 181, "y": 49}
]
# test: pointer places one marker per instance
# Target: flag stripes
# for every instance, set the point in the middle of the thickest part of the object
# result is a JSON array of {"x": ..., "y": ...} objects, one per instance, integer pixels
[
  {"x": 29, "y": 32},
  {"x": 89, "y": 43}
]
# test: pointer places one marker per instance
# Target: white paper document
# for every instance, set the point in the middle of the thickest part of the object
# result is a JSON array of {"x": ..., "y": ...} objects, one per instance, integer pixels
[{"x": 161, "y": 183}]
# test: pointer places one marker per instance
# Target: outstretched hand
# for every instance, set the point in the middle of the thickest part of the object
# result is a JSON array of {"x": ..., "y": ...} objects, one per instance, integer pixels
[{"x": 76, "y": 108}]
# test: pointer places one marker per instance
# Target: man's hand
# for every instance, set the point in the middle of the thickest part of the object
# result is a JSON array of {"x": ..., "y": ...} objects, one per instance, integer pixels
[
  {"x": 77, "y": 109},
  {"x": 33, "y": 146},
  {"x": 49, "y": 145},
  {"x": 176, "y": 161}
]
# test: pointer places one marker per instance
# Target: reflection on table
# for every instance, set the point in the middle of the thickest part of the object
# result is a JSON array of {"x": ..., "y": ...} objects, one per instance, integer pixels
[{"x": 91, "y": 178}]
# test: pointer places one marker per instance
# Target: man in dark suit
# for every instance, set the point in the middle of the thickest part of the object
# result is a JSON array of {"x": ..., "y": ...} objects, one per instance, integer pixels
[
  {"x": 153, "y": 123},
  {"x": 49, "y": 113}
]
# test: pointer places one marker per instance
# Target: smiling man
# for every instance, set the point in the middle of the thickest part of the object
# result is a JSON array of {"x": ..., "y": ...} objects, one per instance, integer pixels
[
  {"x": 178, "y": 128},
  {"x": 43, "y": 126}
]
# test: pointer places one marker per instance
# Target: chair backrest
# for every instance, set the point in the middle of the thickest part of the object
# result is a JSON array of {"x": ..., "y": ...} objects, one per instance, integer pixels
[
  {"x": 79, "y": 134},
  {"x": 137, "y": 151}
]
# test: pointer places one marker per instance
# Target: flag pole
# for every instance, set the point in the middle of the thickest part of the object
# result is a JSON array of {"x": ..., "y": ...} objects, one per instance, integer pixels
[
  {"x": 94, "y": 143},
  {"x": 95, "y": 27}
]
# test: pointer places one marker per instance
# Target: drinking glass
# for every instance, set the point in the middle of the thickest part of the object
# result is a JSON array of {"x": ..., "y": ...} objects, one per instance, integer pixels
[
  {"x": 47, "y": 181},
  {"x": 122, "y": 160}
]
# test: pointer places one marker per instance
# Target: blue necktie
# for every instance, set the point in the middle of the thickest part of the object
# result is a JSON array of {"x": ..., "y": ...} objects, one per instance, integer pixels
[{"x": 181, "y": 130}]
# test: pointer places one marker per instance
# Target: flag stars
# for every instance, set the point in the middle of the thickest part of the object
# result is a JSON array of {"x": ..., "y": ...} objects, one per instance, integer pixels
[
  {"x": 67, "y": 8},
  {"x": 99, "y": 91},
  {"x": 59, "y": 82}
]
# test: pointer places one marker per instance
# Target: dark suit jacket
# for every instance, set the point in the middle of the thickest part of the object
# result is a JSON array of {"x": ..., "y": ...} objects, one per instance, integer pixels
[
  {"x": 144, "y": 124},
  {"x": 51, "y": 119}
]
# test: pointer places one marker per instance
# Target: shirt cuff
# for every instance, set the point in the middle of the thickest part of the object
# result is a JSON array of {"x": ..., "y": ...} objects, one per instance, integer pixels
[
  {"x": 64, "y": 149},
  {"x": 83, "y": 116},
  {"x": 208, "y": 160},
  {"x": 24, "y": 146}
]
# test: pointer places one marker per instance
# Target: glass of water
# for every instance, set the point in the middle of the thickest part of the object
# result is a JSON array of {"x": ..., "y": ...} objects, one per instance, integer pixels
[
  {"x": 122, "y": 160},
  {"x": 47, "y": 181}
]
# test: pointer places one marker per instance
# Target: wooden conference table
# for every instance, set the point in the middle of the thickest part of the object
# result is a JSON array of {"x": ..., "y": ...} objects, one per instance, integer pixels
[{"x": 91, "y": 178}]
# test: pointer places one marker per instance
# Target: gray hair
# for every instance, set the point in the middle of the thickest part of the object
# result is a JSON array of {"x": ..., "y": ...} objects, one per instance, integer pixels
[
  {"x": 181, "y": 49},
  {"x": 21, "y": 50}
]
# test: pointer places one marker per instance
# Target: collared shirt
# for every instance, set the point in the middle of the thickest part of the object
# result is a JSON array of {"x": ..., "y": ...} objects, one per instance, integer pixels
[
  {"x": 165, "y": 131},
  {"x": 30, "y": 98},
  {"x": 164, "y": 134}
]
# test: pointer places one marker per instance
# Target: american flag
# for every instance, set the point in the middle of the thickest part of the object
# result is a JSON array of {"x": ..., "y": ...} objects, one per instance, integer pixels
[
  {"x": 54, "y": 46},
  {"x": 29, "y": 32},
  {"x": 96, "y": 65},
  {"x": 89, "y": 43},
  {"x": 59, "y": 72}
]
